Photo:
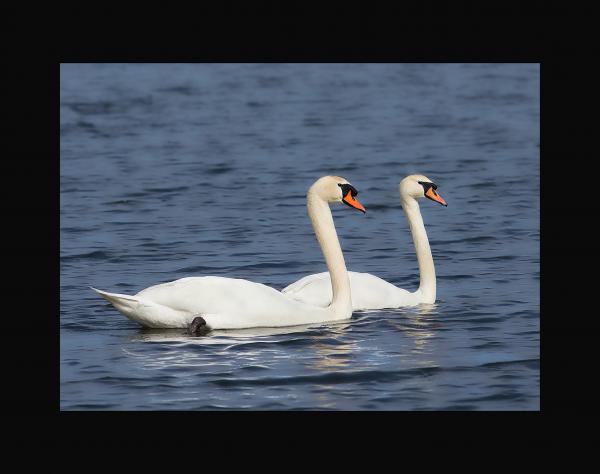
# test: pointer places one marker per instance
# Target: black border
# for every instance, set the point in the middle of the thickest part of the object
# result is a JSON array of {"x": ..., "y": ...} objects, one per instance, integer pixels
[{"x": 36, "y": 43}]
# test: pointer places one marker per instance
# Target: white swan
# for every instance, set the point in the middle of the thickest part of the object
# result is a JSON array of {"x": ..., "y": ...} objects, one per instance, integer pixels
[
  {"x": 228, "y": 303},
  {"x": 369, "y": 291}
]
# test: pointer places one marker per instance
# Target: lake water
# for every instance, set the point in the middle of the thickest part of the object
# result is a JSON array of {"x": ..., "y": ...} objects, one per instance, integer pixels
[{"x": 175, "y": 170}]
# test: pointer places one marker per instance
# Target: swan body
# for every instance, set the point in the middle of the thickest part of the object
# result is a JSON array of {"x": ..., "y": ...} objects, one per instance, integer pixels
[
  {"x": 369, "y": 291},
  {"x": 231, "y": 303},
  {"x": 224, "y": 303}
]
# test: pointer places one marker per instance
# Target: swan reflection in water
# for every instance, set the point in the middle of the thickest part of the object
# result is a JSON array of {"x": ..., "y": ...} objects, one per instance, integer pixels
[
  {"x": 218, "y": 336},
  {"x": 419, "y": 325},
  {"x": 253, "y": 341},
  {"x": 332, "y": 346}
]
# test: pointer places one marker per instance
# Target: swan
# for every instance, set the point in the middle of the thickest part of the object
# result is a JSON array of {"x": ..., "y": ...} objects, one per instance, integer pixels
[
  {"x": 369, "y": 291},
  {"x": 212, "y": 302}
]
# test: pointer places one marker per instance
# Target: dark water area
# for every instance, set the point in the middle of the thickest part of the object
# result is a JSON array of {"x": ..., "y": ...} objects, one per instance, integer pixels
[{"x": 179, "y": 170}]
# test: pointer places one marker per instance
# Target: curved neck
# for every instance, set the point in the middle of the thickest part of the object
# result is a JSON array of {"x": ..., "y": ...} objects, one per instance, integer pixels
[
  {"x": 322, "y": 221},
  {"x": 427, "y": 286}
]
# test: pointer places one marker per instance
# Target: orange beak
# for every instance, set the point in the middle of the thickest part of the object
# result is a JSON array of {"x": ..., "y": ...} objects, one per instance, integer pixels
[
  {"x": 434, "y": 196},
  {"x": 352, "y": 201}
]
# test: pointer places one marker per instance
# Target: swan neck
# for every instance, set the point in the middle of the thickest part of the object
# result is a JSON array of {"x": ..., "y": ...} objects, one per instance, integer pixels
[
  {"x": 322, "y": 221},
  {"x": 427, "y": 283}
]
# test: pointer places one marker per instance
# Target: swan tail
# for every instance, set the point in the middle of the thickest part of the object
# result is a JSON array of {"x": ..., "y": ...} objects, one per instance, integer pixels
[
  {"x": 124, "y": 303},
  {"x": 145, "y": 312}
]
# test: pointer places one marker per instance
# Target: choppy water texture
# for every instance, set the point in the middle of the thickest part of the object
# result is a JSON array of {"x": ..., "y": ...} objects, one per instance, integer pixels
[{"x": 170, "y": 171}]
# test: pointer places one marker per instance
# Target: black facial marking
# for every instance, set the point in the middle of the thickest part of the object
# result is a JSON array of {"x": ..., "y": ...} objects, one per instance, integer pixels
[
  {"x": 346, "y": 188},
  {"x": 426, "y": 185}
]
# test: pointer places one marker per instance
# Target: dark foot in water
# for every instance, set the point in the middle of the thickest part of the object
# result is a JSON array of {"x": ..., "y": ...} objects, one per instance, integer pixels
[{"x": 198, "y": 327}]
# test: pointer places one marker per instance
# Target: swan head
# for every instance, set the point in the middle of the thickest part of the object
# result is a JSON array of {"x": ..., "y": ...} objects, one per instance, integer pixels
[
  {"x": 418, "y": 186},
  {"x": 336, "y": 189}
]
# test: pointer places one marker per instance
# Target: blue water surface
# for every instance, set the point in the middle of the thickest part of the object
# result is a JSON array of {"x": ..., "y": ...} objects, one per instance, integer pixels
[{"x": 175, "y": 170}]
